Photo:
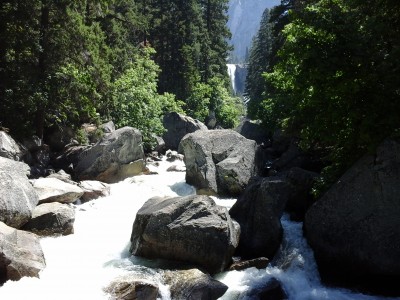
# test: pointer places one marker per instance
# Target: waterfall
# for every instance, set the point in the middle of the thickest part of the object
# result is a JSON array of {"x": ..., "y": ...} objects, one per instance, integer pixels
[
  {"x": 81, "y": 264},
  {"x": 231, "y": 73}
]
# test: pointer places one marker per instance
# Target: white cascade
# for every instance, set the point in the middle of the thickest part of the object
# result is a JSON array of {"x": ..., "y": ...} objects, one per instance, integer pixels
[{"x": 231, "y": 73}]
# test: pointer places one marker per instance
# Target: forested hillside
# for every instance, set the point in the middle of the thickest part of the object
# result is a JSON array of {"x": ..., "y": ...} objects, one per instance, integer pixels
[
  {"x": 327, "y": 71},
  {"x": 63, "y": 63}
]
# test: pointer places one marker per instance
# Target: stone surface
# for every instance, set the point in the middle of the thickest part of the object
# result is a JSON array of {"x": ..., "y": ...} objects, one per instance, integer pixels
[
  {"x": 108, "y": 127},
  {"x": 253, "y": 131},
  {"x": 17, "y": 196},
  {"x": 191, "y": 229},
  {"x": 129, "y": 287},
  {"x": 354, "y": 229},
  {"x": 218, "y": 161},
  {"x": 9, "y": 148},
  {"x": 63, "y": 176},
  {"x": 116, "y": 156},
  {"x": 177, "y": 127},
  {"x": 258, "y": 263},
  {"x": 269, "y": 290},
  {"x": 20, "y": 254},
  {"x": 258, "y": 211},
  {"x": 93, "y": 189},
  {"x": 51, "y": 219},
  {"x": 193, "y": 284},
  {"x": 55, "y": 190}
]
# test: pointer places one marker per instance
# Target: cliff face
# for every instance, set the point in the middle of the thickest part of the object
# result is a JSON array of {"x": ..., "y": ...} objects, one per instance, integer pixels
[{"x": 244, "y": 21}]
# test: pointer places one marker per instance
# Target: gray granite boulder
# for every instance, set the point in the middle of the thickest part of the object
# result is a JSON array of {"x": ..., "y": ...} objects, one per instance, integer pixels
[
  {"x": 17, "y": 196},
  {"x": 177, "y": 127},
  {"x": 116, "y": 156},
  {"x": 56, "y": 190},
  {"x": 93, "y": 189},
  {"x": 20, "y": 254},
  {"x": 354, "y": 229},
  {"x": 218, "y": 162},
  {"x": 129, "y": 287},
  {"x": 193, "y": 284},
  {"x": 51, "y": 219},
  {"x": 9, "y": 148},
  {"x": 191, "y": 229}
]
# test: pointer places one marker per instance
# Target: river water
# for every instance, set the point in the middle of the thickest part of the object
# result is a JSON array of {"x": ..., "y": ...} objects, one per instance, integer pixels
[{"x": 80, "y": 265}]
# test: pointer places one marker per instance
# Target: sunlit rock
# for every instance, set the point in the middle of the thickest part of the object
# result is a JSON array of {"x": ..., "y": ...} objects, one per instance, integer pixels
[
  {"x": 51, "y": 219},
  {"x": 191, "y": 229},
  {"x": 20, "y": 254},
  {"x": 55, "y": 190},
  {"x": 17, "y": 196},
  {"x": 218, "y": 161}
]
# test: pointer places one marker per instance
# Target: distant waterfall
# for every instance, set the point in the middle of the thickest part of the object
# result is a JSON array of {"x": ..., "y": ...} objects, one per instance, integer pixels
[{"x": 231, "y": 73}]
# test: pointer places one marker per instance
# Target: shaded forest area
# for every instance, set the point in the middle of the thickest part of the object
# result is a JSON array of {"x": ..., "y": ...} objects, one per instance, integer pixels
[{"x": 328, "y": 72}]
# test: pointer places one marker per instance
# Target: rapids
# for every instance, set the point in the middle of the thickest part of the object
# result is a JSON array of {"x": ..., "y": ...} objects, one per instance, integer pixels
[{"x": 80, "y": 265}]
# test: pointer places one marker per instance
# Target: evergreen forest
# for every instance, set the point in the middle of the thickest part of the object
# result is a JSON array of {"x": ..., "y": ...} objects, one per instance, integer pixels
[{"x": 328, "y": 72}]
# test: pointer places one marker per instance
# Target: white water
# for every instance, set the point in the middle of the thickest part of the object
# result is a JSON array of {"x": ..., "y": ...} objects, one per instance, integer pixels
[
  {"x": 231, "y": 73},
  {"x": 80, "y": 265}
]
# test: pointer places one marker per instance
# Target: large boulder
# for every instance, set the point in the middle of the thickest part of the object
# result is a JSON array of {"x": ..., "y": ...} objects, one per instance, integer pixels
[
  {"x": 56, "y": 190},
  {"x": 354, "y": 229},
  {"x": 218, "y": 161},
  {"x": 51, "y": 219},
  {"x": 9, "y": 148},
  {"x": 253, "y": 131},
  {"x": 191, "y": 229},
  {"x": 116, "y": 156},
  {"x": 177, "y": 127},
  {"x": 17, "y": 196},
  {"x": 20, "y": 254},
  {"x": 193, "y": 284},
  {"x": 258, "y": 211}
]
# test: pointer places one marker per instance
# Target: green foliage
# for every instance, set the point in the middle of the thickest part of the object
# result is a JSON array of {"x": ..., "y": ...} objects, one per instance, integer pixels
[
  {"x": 136, "y": 101},
  {"x": 335, "y": 79}
]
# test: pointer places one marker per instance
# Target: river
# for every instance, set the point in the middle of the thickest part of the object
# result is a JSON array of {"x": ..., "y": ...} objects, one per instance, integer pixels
[{"x": 80, "y": 265}]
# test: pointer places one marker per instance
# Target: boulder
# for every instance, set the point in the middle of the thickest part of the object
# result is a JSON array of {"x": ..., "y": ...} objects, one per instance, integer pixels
[
  {"x": 20, "y": 254},
  {"x": 116, "y": 156},
  {"x": 63, "y": 176},
  {"x": 51, "y": 219},
  {"x": 57, "y": 138},
  {"x": 218, "y": 161},
  {"x": 93, "y": 189},
  {"x": 258, "y": 263},
  {"x": 9, "y": 148},
  {"x": 270, "y": 289},
  {"x": 17, "y": 196},
  {"x": 258, "y": 211},
  {"x": 193, "y": 284},
  {"x": 108, "y": 127},
  {"x": 129, "y": 287},
  {"x": 253, "y": 131},
  {"x": 55, "y": 190},
  {"x": 354, "y": 229},
  {"x": 177, "y": 127},
  {"x": 191, "y": 229}
]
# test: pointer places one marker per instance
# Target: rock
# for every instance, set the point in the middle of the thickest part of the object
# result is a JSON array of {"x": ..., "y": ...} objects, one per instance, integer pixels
[
  {"x": 93, "y": 189},
  {"x": 354, "y": 229},
  {"x": 9, "y": 148},
  {"x": 270, "y": 290},
  {"x": 51, "y": 219},
  {"x": 69, "y": 157},
  {"x": 191, "y": 229},
  {"x": 301, "y": 183},
  {"x": 175, "y": 168},
  {"x": 117, "y": 156},
  {"x": 218, "y": 161},
  {"x": 91, "y": 132},
  {"x": 57, "y": 138},
  {"x": 128, "y": 287},
  {"x": 159, "y": 145},
  {"x": 177, "y": 127},
  {"x": 173, "y": 156},
  {"x": 55, "y": 190},
  {"x": 258, "y": 211},
  {"x": 253, "y": 131},
  {"x": 17, "y": 196},
  {"x": 211, "y": 120},
  {"x": 193, "y": 285},
  {"x": 63, "y": 176},
  {"x": 32, "y": 143},
  {"x": 108, "y": 127},
  {"x": 20, "y": 254},
  {"x": 259, "y": 263}
]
